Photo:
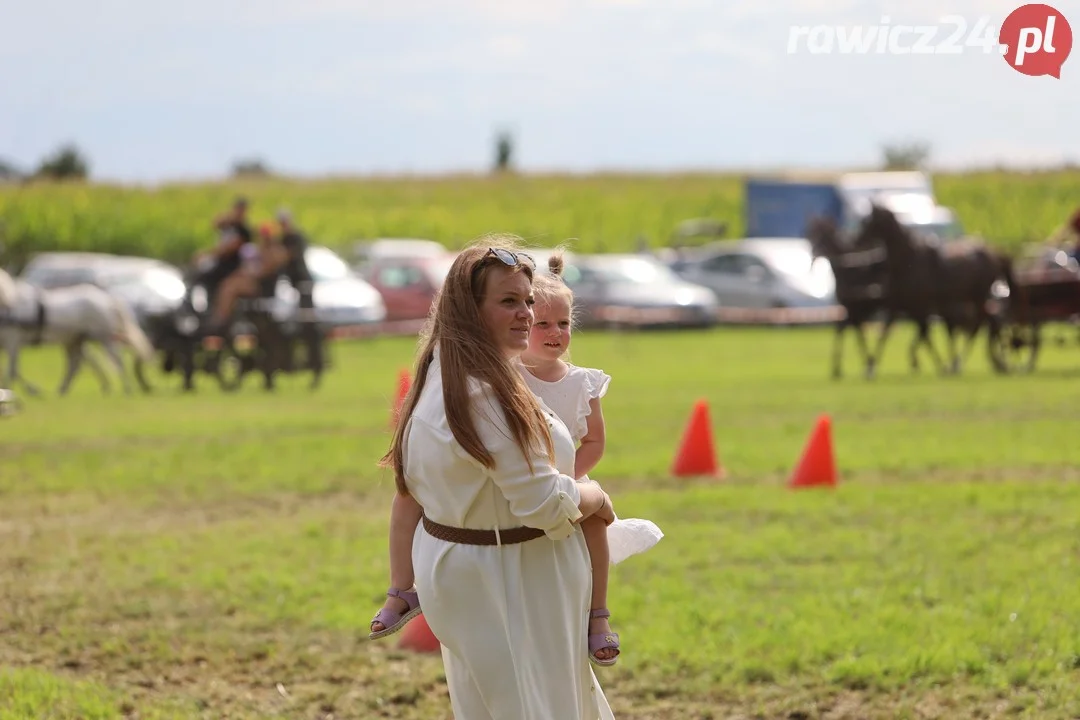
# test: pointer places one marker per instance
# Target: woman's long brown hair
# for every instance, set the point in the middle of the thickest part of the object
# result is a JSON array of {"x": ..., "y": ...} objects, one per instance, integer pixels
[{"x": 466, "y": 349}]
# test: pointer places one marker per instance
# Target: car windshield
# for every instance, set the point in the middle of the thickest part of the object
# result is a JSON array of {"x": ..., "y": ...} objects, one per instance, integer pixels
[{"x": 325, "y": 264}]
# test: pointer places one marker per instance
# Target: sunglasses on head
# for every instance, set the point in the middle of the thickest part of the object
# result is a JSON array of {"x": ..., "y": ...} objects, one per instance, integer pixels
[{"x": 510, "y": 259}]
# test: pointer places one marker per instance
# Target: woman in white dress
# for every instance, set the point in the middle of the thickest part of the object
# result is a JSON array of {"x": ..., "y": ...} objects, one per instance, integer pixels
[{"x": 502, "y": 571}]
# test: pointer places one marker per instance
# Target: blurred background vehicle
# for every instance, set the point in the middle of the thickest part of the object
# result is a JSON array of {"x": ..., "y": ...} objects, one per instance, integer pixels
[
  {"x": 342, "y": 298},
  {"x": 407, "y": 273},
  {"x": 633, "y": 290},
  {"x": 148, "y": 286},
  {"x": 365, "y": 251},
  {"x": 760, "y": 273},
  {"x": 154, "y": 288}
]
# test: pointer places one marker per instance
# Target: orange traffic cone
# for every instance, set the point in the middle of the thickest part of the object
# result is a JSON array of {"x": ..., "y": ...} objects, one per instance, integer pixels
[
  {"x": 817, "y": 466},
  {"x": 697, "y": 453},
  {"x": 403, "y": 384},
  {"x": 417, "y": 636}
]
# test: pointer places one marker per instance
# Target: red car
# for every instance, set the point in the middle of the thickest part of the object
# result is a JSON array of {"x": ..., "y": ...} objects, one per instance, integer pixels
[{"x": 408, "y": 284}]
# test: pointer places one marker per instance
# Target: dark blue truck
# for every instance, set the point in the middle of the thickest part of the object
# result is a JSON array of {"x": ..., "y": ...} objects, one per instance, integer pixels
[{"x": 782, "y": 207}]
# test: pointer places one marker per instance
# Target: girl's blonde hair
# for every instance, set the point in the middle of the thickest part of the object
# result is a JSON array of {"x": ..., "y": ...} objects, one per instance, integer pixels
[
  {"x": 466, "y": 349},
  {"x": 547, "y": 286}
]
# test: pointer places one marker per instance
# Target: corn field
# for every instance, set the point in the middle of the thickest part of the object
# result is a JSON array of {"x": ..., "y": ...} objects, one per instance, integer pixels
[{"x": 595, "y": 213}]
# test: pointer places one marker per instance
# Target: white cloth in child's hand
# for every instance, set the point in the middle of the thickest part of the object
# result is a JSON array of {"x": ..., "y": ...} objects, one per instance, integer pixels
[{"x": 630, "y": 537}]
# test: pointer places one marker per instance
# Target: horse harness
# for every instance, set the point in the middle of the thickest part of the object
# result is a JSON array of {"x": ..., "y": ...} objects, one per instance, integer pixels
[{"x": 36, "y": 326}]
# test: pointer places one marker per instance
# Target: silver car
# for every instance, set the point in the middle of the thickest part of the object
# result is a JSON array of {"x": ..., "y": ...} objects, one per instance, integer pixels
[
  {"x": 634, "y": 290},
  {"x": 761, "y": 273}
]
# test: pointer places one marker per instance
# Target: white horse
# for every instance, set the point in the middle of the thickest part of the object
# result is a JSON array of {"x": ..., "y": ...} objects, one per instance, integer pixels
[{"x": 69, "y": 316}]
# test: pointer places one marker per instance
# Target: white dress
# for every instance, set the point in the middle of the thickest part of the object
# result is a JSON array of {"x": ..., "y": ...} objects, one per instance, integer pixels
[
  {"x": 569, "y": 397},
  {"x": 512, "y": 619}
]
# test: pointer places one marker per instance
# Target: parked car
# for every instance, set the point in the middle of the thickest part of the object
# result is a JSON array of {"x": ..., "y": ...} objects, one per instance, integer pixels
[
  {"x": 634, "y": 290},
  {"x": 761, "y": 273},
  {"x": 341, "y": 297},
  {"x": 408, "y": 283},
  {"x": 148, "y": 286},
  {"x": 383, "y": 248}
]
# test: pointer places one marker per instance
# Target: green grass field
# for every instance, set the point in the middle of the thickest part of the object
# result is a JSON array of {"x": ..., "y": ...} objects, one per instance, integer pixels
[
  {"x": 220, "y": 556},
  {"x": 596, "y": 213}
]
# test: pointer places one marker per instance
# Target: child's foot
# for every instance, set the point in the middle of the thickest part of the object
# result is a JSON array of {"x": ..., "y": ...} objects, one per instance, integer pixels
[
  {"x": 603, "y": 644},
  {"x": 401, "y": 606}
]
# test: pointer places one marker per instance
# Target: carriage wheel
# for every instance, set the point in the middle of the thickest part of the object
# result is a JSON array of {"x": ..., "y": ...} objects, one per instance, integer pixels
[
  {"x": 1014, "y": 348},
  {"x": 235, "y": 359}
]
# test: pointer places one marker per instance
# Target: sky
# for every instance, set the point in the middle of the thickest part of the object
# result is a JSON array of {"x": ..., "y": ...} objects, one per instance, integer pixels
[{"x": 153, "y": 91}]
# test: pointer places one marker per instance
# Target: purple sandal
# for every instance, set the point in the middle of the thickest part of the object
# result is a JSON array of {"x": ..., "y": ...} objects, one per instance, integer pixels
[
  {"x": 601, "y": 641},
  {"x": 393, "y": 621}
]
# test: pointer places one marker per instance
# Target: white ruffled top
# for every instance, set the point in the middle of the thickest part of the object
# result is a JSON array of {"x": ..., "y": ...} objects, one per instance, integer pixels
[{"x": 569, "y": 396}]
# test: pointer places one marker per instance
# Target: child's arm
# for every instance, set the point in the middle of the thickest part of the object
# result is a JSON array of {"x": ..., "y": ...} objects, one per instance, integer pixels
[{"x": 592, "y": 445}]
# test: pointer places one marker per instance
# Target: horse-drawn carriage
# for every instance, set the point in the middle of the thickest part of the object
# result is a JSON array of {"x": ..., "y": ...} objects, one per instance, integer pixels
[
  {"x": 262, "y": 336},
  {"x": 1046, "y": 289}
]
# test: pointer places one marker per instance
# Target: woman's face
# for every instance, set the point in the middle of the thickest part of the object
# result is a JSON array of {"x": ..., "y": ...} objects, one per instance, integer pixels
[{"x": 507, "y": 309}]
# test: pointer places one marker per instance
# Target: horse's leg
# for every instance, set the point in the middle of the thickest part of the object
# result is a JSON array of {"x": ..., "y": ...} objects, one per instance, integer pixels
[
  {"x": 102, "y": 376},
  {"x": 982, "y": 316},
  {"x": 968, "y": 330},
  {"x": 140, "y": 377},
  {"x": 860, "y": 335},
  {"x": 924, "y": 338},
  {"x": 118, "y": 362},
  {"x": 838, "y": 349},
  {"x": 875, "y": 358},
  {"x": 913, "y": 349},
  {"x": 13, "y": 371},
  {"x": 950, "y": 333},
  {"x": 74, "y": 354},
  {"x": 955, "y": 326}
]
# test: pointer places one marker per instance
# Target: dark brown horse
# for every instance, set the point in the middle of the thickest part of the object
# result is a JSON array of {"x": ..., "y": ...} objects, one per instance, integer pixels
[
  {"x": 861, "y": 276},
  {"x": 951, "y": 281}
]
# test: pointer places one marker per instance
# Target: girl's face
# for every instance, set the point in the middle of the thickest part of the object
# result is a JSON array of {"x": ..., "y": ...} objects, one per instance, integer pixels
[
  {"x": 507, "y": 309},
  {"x": 551, "y": 331}
]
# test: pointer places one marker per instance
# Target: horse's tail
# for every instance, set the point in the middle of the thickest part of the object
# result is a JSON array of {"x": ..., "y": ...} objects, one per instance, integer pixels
[{"x": 132, "y": 333}]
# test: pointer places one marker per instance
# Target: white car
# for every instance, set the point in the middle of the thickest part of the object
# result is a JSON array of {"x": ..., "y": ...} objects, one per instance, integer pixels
[{"x": 148, "y": 286}]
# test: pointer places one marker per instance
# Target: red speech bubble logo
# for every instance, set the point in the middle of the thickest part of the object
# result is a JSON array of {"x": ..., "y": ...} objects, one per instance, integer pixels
[{"x": 1038, "y": 39}]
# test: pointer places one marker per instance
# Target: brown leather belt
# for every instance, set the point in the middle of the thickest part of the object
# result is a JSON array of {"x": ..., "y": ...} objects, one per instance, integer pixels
[{"x": 469, "y": 536}]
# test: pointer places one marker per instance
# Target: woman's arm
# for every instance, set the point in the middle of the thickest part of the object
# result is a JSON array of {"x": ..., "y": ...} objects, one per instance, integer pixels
[{"x": 540, "y": 497}]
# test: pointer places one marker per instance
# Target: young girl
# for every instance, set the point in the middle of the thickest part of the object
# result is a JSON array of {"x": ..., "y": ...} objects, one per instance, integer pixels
[{"x": 573, "y": 393}]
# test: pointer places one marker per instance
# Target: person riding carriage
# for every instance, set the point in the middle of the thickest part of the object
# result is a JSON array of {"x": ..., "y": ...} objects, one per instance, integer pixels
[
  {"x": 260, "y": 266},
  {"x": 216, "y": 264},
  {"x": 237, "y": 267}
]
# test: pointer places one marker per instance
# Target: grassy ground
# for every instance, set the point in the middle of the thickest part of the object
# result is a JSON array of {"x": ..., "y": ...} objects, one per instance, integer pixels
[{"x": 220, "y": 556}]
